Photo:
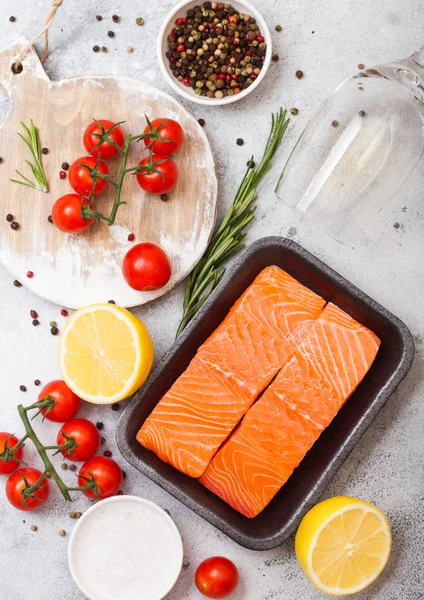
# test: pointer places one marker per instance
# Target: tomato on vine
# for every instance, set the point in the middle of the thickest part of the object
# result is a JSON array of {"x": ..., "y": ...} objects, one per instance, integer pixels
[
  {"x": 65, "y": 403},
  {"x": 146, "y": 267},
  {"x": 67, "y": 214},
  {"x": 105, "y": 472},
  {"x": 8, "y": 441},
  {"x": 22, "y": 492},
  {"x": 82, "y": 176},
  {"x": 167, "y": 136},
  {"x": 158, "y": 174},
  {"x": 95, "y": 141},
  {"x": 83, "y": 439}
]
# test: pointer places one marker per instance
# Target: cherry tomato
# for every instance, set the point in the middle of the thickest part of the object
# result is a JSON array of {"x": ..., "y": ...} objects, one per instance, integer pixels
[
  {"x": 155, "y": 183},
  {"x": 217, "y": 577},
  {"x": 168, "y": 129},
  {"x": 146, "y": 267},
  {"x": 87, "y": 438},
  {"x": 107, "y": 475},
  {"x": 106, "y": 149},
  {"x": 66, "y": 402},
  {"x": 7, "y": 440},
  {"x": 16, "y": 484},
  {"x": 81, "y": 180},
  {"x": 66, "y": 214}
]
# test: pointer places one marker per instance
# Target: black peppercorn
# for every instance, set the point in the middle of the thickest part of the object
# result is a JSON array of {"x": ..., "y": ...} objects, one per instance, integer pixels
[
  {"x": 240, "y": 142},
  {"x": 37, "y": 382},
  {"x": 99, "y": 425},
  {"x": 201, "y": 122},
  {"x": 115, "y": 406},
  {"x": 275, "y": 58},
  {"x": 107, "y": 453},
  {"x": 50, "y": 219},
  {"x": 22, "y": 388},
  {"x": 111, "y": 34},
  {"x": 116, "y": 19},
  {"x": 99, "y": 18},
  {"x": 12, "y": 19},
  {"x": 9, "y": 218},
  {"x": 45, "y": 150},
  {"x": 14, "y": 225},
  {"x": 65, "y": 166},
  {"x": 35, "y": 322},
  {"x": 299, "y": 74},
  {"x": 96, "y": 48},
  {"x": 111, "y": 302},
  {"x": 124, "y": 475},
  {"x": 17, "y": 283},
  {"x": 104, "y": 49},
  {"x": 54, "y": 330}
]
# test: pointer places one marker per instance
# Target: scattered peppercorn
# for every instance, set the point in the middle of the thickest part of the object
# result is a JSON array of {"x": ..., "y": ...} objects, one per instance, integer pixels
[
  {"x": 104, "y": 49},
  {"x": 62, "y": 533},
  {"x": 33, "y": 313},
  {"x": 45, "y": 150},
  {"x": 240, "y": 142},
  {"x": 22, "y": 388},
  {"x": 201, "y": 122},
  {"x": 360, "y": 88},
  {"x": 102, "y": 441},
  {"x": 107, "y": 453},
  {"x": 294, "y": 111},
  {"x": 48, "y": 475},
  {"x": 164, "y": 197},
  {"x": 120, "y": 493},
  {"x": 78, "y": 515},
  {"x": 111, "y": 34},
  {"x": 396, "y": 225},
  {"x": 334, "y": 123},
  {"x": 99, "y": 425},
  {"x": 96, "y": 48},
  {"x": 34, "y": 527},
  {"x": 54, "y": 330},
  {"x": 275, "y": 58},
  {"x": 115, "y": 406},
  {"x": 362, "y": 113},
  {"x": 35, "y": 322},
  {"x": 99, "y": 17},
  {"x": 9, "y": 218},
  {"x": 139, "y": 21},
  {"x": 361, "y": 66},
  {"x": 14, "y": 225},
  {"x": 17, "y": 283},
  {"x": 251, "y": 163},
  {"x": 218, "y": 52},
  {"x": 50, "y": 219},
  {"x": 116, "y": 19},
  {"x": 17, "y": 68},
  {"x": 278, "y": 28},
  {"x": 299, "y": 74},
  {"x": 130, "y": 49},
  {"x": 111, "y": 302},
  {"x": 131, "y": 237},
  {"x": 64, "y": 312},
  {"x": 62, "y": 174},
  {"x": 53, "y": 324},
  {"x": 124, "y": 475},
  {"x": 73, "y": 515},
  {"x": 64, "y": 466},
  {"x": 73, "y": 468},
  {"x": 12, "y": 19},
  {"x": 30, "y": 274},
  {"x": 1, "y": 160},
  {"x": 37, "y": 382},
  {"x": 65, "y": 166}
]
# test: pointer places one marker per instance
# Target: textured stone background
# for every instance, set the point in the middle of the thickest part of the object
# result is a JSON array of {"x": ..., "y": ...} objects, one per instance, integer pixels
[{"x": 326, "y": 40}]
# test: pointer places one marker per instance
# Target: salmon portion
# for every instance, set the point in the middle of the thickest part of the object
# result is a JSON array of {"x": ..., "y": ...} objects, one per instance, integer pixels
[
  {"x": 278, "y": 431},
  {"x": 233, "y": 366}
]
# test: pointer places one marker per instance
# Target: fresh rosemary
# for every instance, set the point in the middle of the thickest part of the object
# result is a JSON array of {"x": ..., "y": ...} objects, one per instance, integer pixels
[
  {"x": 228, "y": 238},
  {"x": 32, "y": 141}
]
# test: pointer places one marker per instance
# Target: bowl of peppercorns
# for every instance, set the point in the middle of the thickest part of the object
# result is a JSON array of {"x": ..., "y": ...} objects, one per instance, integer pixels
[{"x": 214, "y": 52}]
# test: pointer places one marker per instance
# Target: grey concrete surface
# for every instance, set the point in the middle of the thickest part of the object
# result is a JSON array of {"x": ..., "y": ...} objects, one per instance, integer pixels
[{"x": 326, "y": 40}]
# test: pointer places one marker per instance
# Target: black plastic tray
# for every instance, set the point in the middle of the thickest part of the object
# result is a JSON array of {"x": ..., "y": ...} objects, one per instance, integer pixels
[{"x": 275, "y": 524}]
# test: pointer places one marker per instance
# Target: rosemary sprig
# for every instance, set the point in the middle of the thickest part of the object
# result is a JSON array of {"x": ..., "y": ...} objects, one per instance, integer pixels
[
  {"x": 32, "y": 141},
  {"x": 228, "y": 238}
]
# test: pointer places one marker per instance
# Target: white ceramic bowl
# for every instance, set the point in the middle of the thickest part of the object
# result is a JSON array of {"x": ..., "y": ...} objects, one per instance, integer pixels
[
  {"x": 125, "y": 547},
  {"x": 187, "y": 92}
]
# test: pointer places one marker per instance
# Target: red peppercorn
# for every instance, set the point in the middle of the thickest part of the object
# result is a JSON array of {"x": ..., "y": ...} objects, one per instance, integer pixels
[
  {"x": 33, "y": 314},
  {"x": 232, "y": 19},
  {"x": 131, "y": 237},
  {"x": 174, "y": 31},
  {"x": 221, "y": 76},
  {"x": 233, "y": 76},
  {"x": 120, "y": 493},
  {"x": 253, "y": 76},
  {"x": 180, "y": 21},
  {"x": 62, "y": 175},
  {"x": 237, "y": 90},
  {"x": 172, "y": 59},
  {"x": 236, "y": 41},
  {"x": 30, "y": 274},
  {"x": 260, "y": 39},
  {"x": 64, "y": 312},
  {"x": 228, "y": 77},
  {"x": 180, "y": 48},
  {"x": 107, "y": 453},
  {"x": 186, "y": 81}
]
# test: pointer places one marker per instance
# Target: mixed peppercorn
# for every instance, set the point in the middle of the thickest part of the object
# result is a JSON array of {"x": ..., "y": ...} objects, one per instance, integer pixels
[{"x": 216, "y": 50}]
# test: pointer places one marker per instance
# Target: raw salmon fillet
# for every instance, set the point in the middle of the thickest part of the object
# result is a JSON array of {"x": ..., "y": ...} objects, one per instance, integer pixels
[
  {"x": 277, "y": 432},
  {"x": 230, "y": 370}
]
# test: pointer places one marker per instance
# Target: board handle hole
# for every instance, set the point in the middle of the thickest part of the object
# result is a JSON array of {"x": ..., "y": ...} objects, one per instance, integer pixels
[{"x": 17, "y": 67}]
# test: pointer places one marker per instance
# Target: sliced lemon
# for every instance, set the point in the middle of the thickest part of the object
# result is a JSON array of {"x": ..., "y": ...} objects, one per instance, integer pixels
[
  {"x": 105, "y": 353},
  {"x": 343, "y": 544}
]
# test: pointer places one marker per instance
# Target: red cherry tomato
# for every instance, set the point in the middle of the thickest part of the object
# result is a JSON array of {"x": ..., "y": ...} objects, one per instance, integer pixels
[
  {"x": 66, "y": 214},
  {"x": 146, "y": 267},
  {"x": 66, "y": 402},
  {"x": 161, "y": 182},
  {"x": 87, "y": 438},
  {"x": 81, "y": 180},
  {"x": 105, "y": 149},
  {"x": 217, "y": 577},
  {"x": 7, "y": 440},
  {"x": 15, "y": 485},
  {"x": 106, "y": 473},
  {"x": 168, "y": 129}
]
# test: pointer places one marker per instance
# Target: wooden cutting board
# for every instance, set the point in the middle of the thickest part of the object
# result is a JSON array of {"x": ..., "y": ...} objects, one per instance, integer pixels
[{"x": 74, "y": 271}]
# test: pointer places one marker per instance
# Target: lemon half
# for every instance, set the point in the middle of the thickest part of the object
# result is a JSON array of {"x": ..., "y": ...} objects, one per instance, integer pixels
[
  {"x": 105, "y": 353},
  {"x": 343, "y": 544}
]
